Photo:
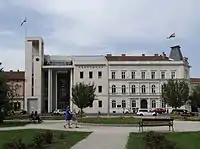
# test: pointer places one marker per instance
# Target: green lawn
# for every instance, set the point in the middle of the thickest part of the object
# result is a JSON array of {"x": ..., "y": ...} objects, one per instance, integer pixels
[
  {"x": 110, "y": 120},
  {"x": 70, "y": 138},
  {"x": 183, "y": 140},
  {"x": 13, "y": 123}
]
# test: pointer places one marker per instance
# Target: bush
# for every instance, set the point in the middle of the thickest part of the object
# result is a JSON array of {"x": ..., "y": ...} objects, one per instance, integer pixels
[
  {"x": 61, "y": 135},
  {"x": 15, "y": 144},
  {"x": 38, "y": 140},
  {"x": 155, "y": 140},
  {"x": 48, "y": 137}
]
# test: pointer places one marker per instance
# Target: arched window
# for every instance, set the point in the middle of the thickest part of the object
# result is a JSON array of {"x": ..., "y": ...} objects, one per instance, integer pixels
[
  {"x": 133, "y": 89},
  {"x": 153, "y": 89},
  {"x": 153, "y": 103},
  {"x": 113, "y": 104},
  {"x": 133, "y": 104},
  {"x": 143, "y": 89},
  {"x": 123, "y": 103},
  {"x": 113, "y": 89},
  {"x": 123, "y": 89}
]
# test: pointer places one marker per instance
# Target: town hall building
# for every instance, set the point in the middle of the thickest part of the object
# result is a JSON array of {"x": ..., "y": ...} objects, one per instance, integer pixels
[{"x": 122, "y": 82}]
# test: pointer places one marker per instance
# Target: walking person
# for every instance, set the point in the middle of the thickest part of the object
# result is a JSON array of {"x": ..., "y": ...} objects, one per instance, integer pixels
[
  {"x": 68, "y": 116},
  {"x": 74, "y": 118}
]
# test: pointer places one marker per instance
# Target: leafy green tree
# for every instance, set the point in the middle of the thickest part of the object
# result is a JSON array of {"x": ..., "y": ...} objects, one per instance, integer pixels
[
  {"x": 3, "y": 95},
  {"x": 175, "y": 93},
  {"x": 83, "y": 95},
  {"x": 195, "y": 97}
]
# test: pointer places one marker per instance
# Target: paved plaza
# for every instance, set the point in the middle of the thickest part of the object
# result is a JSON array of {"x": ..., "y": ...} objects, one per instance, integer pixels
[{"x": 107, "y": 137}]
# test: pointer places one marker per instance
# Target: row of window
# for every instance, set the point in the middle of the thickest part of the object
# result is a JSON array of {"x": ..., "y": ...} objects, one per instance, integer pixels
[
  {"x": 124, "y": 75},
  {"x": 123, "y": 104},
  {"x": 133, "y": 104},
  {"x": 133, "y": 89},
  {"x": 142, "y": 75},
  {"x": 90, "y": 74}
]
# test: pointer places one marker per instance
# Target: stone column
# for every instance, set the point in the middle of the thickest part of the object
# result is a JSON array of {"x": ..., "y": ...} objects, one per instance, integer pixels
[
  {"x": 49, "y": 90},
  {"x": 149, "y": 104},
  {"x": 71, "y": 85}
]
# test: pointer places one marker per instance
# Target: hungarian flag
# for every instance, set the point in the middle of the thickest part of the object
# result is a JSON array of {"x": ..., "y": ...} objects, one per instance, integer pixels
[
  {"x": 171, "y": 36},
  {"x": 24, "y": 21}
]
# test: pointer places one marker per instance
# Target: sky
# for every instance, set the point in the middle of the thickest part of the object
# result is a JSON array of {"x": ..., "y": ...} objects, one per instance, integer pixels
[{"x": 93, "y": 27}]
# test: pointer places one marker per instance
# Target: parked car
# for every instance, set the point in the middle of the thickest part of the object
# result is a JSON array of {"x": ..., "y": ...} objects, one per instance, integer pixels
[
  {"x": 59, "y": 112},
  {"x": 146, "y": 113},
  {"x": 182, "y": 112},
  {"x": 159, "y": 110},
  {"x": 126, "y": 111},
  {"x": 23, "y": 112}
]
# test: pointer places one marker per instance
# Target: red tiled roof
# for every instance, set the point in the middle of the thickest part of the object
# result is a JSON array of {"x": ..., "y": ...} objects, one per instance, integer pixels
[
  {"x": 137, "y": 58},
  {"x": 15, "y": 75},
  {"x": 195, "y": 80}
]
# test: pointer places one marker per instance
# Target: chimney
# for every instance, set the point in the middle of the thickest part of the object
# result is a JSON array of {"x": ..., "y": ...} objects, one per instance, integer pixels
[
  {"x": 155, "y": 54},
  {"x": 143, "y": 54},
  {"x": 164, "y": 54},
  {"x": 109, "y": 54},
  {"x": 123, "y": 54},
  {"x": 175, "y": 53}
]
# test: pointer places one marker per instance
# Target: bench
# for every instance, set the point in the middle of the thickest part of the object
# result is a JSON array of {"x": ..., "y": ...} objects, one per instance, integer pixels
[{"x": 152, "y": 122}]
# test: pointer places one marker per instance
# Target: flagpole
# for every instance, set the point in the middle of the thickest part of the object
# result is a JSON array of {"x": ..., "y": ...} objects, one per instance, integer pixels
[{"x": 25, "y": 29}]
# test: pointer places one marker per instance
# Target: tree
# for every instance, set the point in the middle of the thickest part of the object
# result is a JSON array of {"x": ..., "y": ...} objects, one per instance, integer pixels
[
  {"x": 83, "y": 95},
  {"x": 12, "y": 93},
  {"x": 195, "y": 97},
  {"x": 3, "y": 95},
  {"x": 175, "y": 93}
]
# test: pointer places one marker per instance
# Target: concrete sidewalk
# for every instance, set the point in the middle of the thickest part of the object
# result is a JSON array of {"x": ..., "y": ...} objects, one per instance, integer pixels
[
  {"x": 98, "y": 140},
  {"x": 106, "y": 137}
]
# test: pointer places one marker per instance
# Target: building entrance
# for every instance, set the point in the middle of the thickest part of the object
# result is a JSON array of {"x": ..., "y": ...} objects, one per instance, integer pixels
[{"x": 63, "y": 89}]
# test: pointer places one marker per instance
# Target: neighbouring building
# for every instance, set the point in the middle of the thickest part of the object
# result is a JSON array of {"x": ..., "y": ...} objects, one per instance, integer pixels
[
  {"x": 194, "y": 81},
  {"x": 132, "y": 82},
  {"x": 16, "y": 82}
]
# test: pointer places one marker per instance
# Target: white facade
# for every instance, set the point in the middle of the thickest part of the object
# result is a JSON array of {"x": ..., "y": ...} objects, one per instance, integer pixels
[{"x": 119, "y": 84}]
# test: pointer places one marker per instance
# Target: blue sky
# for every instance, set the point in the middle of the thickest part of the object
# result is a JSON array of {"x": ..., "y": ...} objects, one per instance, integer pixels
[{"x": 72, "y": 27}]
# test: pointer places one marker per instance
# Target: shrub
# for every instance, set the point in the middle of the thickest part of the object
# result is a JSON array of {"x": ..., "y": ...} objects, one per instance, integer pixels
[
  {"x": 38, "y": 140},
  {"x": 155, "y": 140},
  {"x": 61, "y": 135},
  {"x": 15, "y": 144},
  {"x": 48, "y": 137}
]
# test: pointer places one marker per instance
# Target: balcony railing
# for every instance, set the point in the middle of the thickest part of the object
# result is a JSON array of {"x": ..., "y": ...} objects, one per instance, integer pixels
[{"x": 58, "y": 63}]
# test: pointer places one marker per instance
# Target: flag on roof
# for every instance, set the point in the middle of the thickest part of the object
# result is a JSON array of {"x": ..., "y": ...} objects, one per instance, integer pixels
[
  {"x": 171, "y": 36},
  {"x": 24, "y": 21}
]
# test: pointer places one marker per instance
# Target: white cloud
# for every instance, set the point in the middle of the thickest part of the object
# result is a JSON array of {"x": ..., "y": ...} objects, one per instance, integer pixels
[
  {"x": 12, "y": 59},
  {"x": 96, "y": 22},
  {"x": 99, "y": 26}
]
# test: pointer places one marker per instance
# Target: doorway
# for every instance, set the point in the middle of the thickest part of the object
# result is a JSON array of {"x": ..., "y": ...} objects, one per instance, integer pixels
[{"x": 143, "y": 104}]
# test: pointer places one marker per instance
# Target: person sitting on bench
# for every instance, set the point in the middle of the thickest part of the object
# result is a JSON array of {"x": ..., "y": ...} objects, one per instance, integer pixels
[{"x": 37, "y": 117}]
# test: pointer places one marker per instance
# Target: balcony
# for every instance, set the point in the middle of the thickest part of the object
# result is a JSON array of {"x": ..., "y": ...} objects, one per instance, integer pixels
[{"x": 57, "y": 63}]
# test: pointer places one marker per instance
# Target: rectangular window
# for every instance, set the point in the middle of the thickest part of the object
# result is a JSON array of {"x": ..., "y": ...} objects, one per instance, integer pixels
[
  {"x": 133, "y": 75},
  {"x": 100, "y": 104},
  {"x": 90, "y": 74},
  {"x": 153, "y": 75},
  {"x": 99, "y": 74},
  {"x": 173, "y": 74},
  {"x": 143, "y": 75},
  {"x": 100, "y": 89},
  {"x": 163, "y": 75},
  {"x": 123, "y": 89},
  {"x": 123, "y": 75},
  {"x": 113, "y": 74},
  {"x": 81, "y": 75}
]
